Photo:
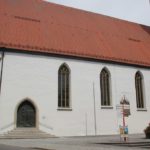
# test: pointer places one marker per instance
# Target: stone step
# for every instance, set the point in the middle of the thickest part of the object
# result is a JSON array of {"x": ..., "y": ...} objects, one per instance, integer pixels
[{"x": 25, "y": 133}]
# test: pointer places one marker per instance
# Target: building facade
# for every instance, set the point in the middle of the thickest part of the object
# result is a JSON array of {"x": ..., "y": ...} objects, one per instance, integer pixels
[{"x": 34, "y": 78}]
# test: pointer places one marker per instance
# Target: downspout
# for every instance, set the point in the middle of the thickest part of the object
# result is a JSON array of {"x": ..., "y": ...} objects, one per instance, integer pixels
[{"x": 1, "y": 71}]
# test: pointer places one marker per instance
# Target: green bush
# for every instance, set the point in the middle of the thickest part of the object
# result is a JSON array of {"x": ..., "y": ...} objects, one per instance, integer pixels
[{"x": 147, "y": 132}]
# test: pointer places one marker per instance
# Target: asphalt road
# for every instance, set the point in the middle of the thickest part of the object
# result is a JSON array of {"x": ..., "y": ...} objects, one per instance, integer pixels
[
  {"x": 135, "y": 142},
  {"x": 6, "y": 147}
]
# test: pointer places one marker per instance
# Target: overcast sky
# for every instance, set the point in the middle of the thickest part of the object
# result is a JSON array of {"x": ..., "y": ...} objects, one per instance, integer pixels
[{"x": 132, "y": 10}]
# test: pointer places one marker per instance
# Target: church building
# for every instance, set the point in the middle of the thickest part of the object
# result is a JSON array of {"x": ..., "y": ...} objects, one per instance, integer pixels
[{"x": 66, "y": 71}]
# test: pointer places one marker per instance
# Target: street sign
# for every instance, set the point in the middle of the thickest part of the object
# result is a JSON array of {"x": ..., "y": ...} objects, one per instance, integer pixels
[
  {"x": 124, "y": 109},
  {"x": 123, "y": 131}
]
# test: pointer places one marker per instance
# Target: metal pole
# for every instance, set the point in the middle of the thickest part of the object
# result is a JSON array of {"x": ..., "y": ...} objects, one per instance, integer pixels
[
  {"x": 124, "y": 124},
  {"x": 86, "y": 124},
  {"x": 123, "y": 117},
  {"x": 1, "y": 73},
  {"x": 95, "y": 127}
]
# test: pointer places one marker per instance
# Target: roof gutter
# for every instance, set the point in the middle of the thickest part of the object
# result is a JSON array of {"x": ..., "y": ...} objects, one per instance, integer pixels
[{"x": 2, "y": 63}]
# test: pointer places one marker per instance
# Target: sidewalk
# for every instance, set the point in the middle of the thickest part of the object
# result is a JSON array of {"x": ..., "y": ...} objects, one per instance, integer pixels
[{"x": 111, "y": 142}]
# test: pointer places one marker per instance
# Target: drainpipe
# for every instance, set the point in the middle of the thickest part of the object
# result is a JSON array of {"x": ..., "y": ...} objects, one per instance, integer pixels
[{"x": 1, "y": 71}]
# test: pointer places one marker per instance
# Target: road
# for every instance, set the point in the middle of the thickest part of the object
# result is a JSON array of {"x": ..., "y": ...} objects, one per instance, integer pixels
[
  {"x": 6, "y": 147},
  {"x": 136, "y": 142}
]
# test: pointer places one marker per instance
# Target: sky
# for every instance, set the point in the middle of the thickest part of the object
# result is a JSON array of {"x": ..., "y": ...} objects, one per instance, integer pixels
[{"x": 132, "y": 10}]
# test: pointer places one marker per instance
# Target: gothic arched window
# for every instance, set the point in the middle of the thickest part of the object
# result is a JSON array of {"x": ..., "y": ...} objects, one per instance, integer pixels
[
  {"x": 139, "y": 90},
  {"x": 105, "y": 87},
  {"x": 64, "y": 87}
]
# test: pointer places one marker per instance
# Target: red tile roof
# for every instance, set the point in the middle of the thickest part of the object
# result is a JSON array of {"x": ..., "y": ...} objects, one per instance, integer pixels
[{"x": 39, "y": 26}]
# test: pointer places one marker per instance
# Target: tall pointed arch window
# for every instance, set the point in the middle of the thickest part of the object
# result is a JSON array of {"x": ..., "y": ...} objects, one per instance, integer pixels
[
  {"x": 139, "y": 90},
  {"x": 105, "y": 87},
  {"x": 64, "y": 87}
]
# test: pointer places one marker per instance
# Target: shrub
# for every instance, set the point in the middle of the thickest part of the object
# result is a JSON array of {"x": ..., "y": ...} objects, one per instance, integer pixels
[{"x": 147, "y": 132}]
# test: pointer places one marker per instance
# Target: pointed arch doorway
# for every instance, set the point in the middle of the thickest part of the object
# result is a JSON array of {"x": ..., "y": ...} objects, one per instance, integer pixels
[{"x": 26, "y": 115}]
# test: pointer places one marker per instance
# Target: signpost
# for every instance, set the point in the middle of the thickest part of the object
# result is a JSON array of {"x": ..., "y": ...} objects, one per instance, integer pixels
[{"x": 124, "y": 106}]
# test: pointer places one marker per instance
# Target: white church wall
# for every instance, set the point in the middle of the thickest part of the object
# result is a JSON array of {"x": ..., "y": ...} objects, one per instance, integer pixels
[
  {"x": 36, "y": 77},
  {"x": 125, "y": 84}
]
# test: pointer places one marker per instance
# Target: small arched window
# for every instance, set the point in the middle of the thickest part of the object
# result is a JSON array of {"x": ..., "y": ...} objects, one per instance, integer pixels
[
  {"x": 105, "y": 87},
  {"x": 64, "y": 87},
  {"x": 139, "y": 90}
]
